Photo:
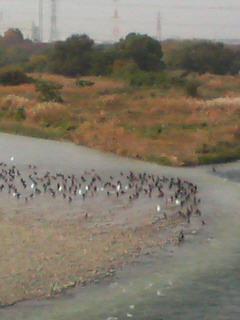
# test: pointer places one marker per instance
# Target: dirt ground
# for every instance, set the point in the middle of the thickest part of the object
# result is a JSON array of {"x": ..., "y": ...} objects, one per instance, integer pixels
[
  {"x": 49, "y": 243},
  {"x": 42, "y": 258}
]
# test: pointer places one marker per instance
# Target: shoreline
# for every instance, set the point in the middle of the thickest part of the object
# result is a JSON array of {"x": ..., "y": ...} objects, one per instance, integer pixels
[
  {"x": 49, "y": 244},
  {"x": 53, "y": 135},
  {"x": 119, "y": 246}
]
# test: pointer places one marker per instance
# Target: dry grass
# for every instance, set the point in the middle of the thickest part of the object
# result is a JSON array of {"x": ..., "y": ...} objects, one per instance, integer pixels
[{"x": 139, "y": 123}]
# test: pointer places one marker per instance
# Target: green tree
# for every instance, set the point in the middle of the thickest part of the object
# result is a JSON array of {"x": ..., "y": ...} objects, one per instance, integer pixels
[
  {"x": 16, "y": 55},
  {"x": 38, "y": 63},
  {"x": 101, "y": 62},
  {"x": 144, "y": 50},
  {"x": 202, "y": 57},
  {"x": 72, "y": 57}
]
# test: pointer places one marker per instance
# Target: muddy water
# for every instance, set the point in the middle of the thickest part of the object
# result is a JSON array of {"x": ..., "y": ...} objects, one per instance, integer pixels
[{"x": 198, "y": 280}]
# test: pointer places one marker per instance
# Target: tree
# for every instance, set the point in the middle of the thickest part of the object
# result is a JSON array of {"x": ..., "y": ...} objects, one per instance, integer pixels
[
  {"x": 38, "y": 63},
  {"x": 13, "y": 36},
  {"x": 101, "y": 62},
  {"x": 202, "y": 57},
  {"x": 16, "y": 55},
  {"x": 145, "y": 51},
  {"x": 72, "y": 57}
]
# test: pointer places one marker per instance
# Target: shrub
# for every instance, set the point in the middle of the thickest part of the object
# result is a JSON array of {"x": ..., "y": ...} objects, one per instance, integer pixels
[
  {"x": 221, "y": 152},
  {"x": 149, "y": 79},
  {"x": 49, "y": 91},
  {"x": 51, "y": 114},
  {"x": 192, "y": 87},
  {"x": 84, "y": 83},
  {"x": 14, "y": 107},
  {"x": 13, "y": 77},
  {"x": 194, "y": 126},
  {"x": 151, "y": 132}
]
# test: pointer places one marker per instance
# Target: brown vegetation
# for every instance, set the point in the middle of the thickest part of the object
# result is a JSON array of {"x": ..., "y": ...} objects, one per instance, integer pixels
[{"x": 152, "y": 124}]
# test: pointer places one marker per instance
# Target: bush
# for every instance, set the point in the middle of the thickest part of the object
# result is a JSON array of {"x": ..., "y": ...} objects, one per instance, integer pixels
[
  {"x": 84, "y": 83},
  {"x": 14, "y": 107},
  {"x": 13, "y": 77},
  {"x": 14, "y": 114},
  {"x": 221, "y": 152},
  {"x": 192, "y": 87},
  {"x": 151, "y": 132},
  {"x": 48, "y": 91},
  {"x": 51, "y": 114}
]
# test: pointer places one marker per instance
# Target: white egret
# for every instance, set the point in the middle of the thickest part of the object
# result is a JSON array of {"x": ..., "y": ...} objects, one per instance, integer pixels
[{"x": 159, "y": 293}]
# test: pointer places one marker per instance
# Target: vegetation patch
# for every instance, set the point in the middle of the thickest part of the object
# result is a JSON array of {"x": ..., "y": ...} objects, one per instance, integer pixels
[
  {"x": 151, "y": 132},
  {"x": 10, "y": 76},
  {"x": 49, "y": 91},
  {"x": 163, "y": 160},
  {"x": 143, "y": 124},
  {"x": 221, "y": 152},
  {"x": 84, "y": 83}
]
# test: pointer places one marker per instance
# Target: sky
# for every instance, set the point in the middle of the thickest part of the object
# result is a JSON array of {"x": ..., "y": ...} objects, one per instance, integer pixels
[{"x": 210, "y": 19}]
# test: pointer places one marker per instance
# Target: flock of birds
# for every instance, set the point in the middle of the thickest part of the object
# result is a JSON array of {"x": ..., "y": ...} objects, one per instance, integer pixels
[{"x": 175, "y": 192}]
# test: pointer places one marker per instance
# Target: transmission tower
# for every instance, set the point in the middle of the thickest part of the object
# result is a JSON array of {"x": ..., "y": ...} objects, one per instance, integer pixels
[
  {"x": 116, "y": 22},
  {"x": 35, "y": 33},
  {"x": 1, "y": 21},
  {"x": 159, "y": 27},
  {"x": 40, "y": 18},
  {"x": 53, "y": 30}
]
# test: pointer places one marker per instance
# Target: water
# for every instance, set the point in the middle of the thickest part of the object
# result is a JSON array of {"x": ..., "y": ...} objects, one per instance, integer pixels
[{"x": 199, "y": 280}]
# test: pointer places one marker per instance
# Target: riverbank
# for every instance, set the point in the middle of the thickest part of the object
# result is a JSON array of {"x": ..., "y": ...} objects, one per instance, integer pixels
[
  {"x": 42, "y": 259},
  {"x": 158, "y": 125},
  {"x": 48, "y": 243},
  {"x": 197, "y": 273}
]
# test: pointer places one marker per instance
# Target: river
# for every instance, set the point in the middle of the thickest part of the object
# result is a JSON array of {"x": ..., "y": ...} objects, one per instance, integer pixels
[{"x": 198, "y": 280}]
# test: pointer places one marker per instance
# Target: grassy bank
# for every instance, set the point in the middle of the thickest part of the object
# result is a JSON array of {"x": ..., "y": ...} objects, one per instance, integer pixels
[{"x": 165, "y": 126}]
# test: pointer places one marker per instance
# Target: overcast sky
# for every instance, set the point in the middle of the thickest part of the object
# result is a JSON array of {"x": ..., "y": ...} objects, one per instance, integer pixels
[{"x": 180, "y": 18}]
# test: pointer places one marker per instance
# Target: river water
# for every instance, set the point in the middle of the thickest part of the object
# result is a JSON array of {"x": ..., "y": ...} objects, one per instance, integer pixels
[{"x": 198, "y": 280}]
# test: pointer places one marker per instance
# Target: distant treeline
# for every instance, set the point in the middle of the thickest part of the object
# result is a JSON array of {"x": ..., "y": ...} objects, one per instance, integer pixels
[{"x": 140, "y": 58}]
